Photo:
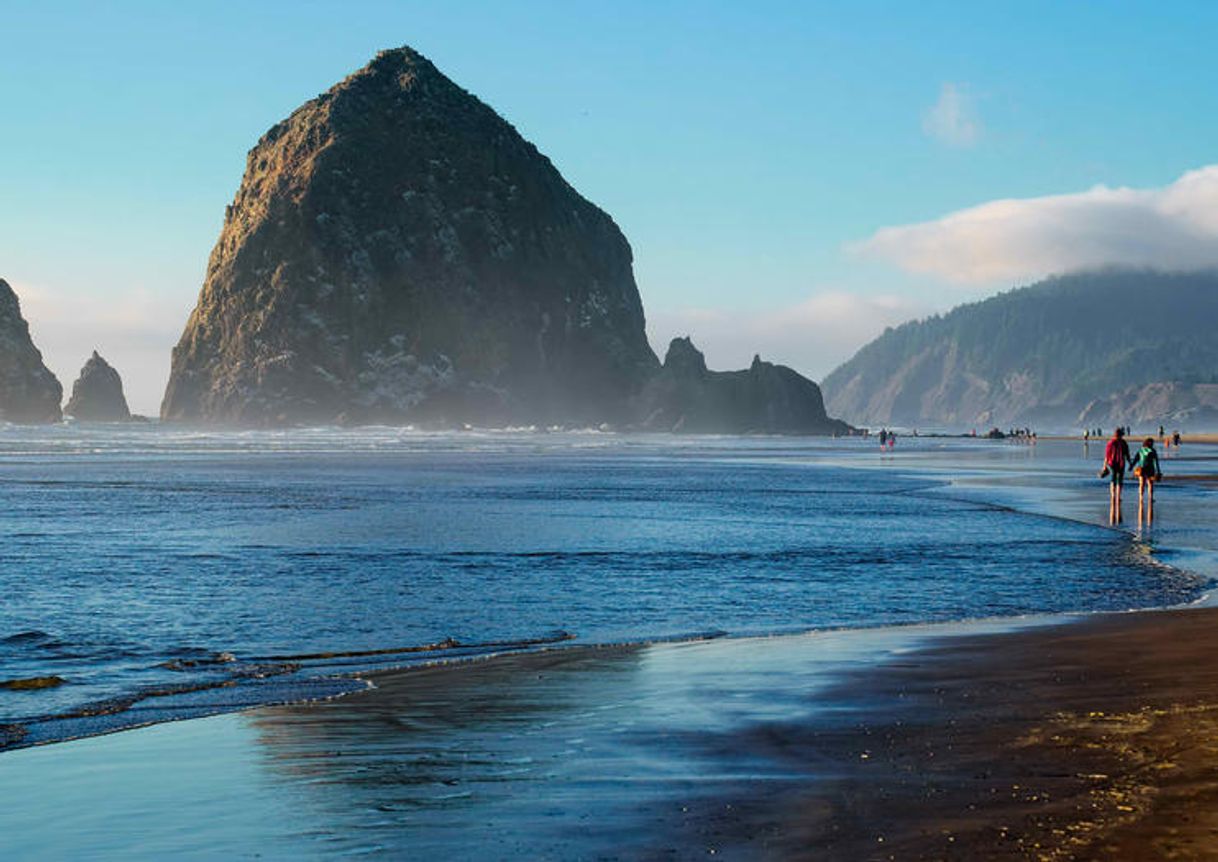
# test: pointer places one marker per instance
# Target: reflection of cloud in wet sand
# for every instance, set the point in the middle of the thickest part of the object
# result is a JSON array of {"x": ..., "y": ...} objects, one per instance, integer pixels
[
  {"x": 568, "y": 753},
  {"x": 436, "y": 756}
]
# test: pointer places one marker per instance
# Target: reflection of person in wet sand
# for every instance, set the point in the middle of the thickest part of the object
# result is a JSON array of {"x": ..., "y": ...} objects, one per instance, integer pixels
[
  {"x": 1146, "y": 468},
  {"x": 1116, "y": 456}
]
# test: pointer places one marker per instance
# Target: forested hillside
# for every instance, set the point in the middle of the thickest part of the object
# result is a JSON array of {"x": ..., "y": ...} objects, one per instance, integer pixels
[{"x": 1043, "y": 354}]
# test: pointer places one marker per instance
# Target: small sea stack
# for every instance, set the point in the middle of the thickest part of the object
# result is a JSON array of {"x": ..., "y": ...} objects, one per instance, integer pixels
[
  {"x": 29, "y": 392},
  {"x": 97, "y": 394},
  {"x": 765, "y": 398}
]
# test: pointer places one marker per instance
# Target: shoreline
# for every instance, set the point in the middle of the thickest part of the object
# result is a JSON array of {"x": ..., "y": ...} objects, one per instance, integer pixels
[{"x": 289, "y": 691}]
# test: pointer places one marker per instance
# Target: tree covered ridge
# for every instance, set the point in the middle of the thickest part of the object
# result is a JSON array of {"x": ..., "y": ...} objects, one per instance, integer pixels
[{"x": 1059, "y": 343}]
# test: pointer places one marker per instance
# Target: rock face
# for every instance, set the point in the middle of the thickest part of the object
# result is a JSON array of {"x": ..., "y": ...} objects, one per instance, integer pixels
[
  {"x": 1098, "y": 348},
  {"x": 97, "y": 395},
  {"x": 29, "y": 392},
  {"x": 1176, "y": 405},
  {"x": 397, "y": 252},
  {"x": 765, "y": 398}
]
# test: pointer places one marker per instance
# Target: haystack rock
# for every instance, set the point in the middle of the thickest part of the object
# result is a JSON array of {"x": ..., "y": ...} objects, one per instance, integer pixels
[
  {"x": 765, "y": 398},
  {"x": 397, "y": 252},
  {"x": 97, "y": 395},
  {"x": 29, "y": 392}
]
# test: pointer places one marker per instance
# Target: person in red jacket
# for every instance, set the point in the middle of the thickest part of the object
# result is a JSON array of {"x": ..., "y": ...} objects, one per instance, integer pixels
[{"x": 1116, "y": 456}]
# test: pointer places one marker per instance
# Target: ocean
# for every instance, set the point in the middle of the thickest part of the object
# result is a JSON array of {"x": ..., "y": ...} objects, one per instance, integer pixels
[{"x": 160, "y": 573}]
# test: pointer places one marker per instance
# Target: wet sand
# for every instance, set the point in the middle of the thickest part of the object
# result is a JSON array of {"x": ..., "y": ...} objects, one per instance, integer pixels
[
  {"x": 572, "y": 753},
  {"x": 1091, "y": 741}
]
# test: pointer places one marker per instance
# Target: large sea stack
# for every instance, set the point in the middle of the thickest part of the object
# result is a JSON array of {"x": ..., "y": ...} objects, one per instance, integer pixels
[
  {"x": 29, "y": 392},
  {"x": 397, "y": 252},
  {"x": 97, "y": 395}
]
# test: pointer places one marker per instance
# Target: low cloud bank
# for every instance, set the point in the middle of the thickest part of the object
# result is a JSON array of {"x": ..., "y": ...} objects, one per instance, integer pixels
[{"x": 1003, "y": 241}]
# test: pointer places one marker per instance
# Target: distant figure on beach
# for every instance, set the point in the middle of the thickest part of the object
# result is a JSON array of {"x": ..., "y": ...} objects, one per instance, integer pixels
[
  {"x": 1146, "y": 468},
  {"x": 1175, "y": 439},
  {"x": 892, "y": 440},
  {"x": 1116, "y": 456},
  {"x": 883, "y": 438}
]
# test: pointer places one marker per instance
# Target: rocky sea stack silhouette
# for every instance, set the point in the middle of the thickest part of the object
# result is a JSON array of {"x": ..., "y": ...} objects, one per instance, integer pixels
[
  {"x": 97, "y": 395},
  {"x": 29, "y": 392},
  {"x": 398, "y": 253},
  {"x": 763, "y": 399}
]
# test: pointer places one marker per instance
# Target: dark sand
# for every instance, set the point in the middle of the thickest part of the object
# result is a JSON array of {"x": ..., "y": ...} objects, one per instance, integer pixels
[{"x": 1097, "y": 740}]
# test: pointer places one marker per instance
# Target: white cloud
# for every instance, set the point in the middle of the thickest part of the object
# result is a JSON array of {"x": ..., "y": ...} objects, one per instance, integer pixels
[
  {"x": 813, "y": 336},
  {"x": 953, "y": 119},
  {"x": 133, "y": 330},
  {"x": 1174, "y": 227}
]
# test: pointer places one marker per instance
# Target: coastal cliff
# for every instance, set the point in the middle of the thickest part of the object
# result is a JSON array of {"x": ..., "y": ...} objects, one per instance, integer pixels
[{"x": 29, "y": 392}]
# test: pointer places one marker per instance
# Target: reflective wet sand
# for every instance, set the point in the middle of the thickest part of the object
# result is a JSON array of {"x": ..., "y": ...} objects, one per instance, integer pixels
[{"x": 573, "y": 753}]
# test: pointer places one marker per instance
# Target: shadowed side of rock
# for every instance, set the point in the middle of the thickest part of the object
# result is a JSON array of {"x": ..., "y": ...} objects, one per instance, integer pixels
[
  {"x": 763, "y": 399},
  {"x": 29, "y": 392},
  {"x": 97, "y": 395}
]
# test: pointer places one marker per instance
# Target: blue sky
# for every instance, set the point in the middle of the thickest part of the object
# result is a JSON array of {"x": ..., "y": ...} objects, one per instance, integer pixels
[{"x": 754, "y": 154}]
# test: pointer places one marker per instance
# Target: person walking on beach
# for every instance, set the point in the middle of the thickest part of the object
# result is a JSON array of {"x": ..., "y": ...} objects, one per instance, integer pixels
[
  {"x": 1146, "y": 468},
  {"x": 1116, "y": 456}
]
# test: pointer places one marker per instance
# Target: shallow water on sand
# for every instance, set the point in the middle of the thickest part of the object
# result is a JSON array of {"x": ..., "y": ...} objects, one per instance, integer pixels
[
  {"x": 582, "y": 753},
  {"x": 165, "y": 574}
]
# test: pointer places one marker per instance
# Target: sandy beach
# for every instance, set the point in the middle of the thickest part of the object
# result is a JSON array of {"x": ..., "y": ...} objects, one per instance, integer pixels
[{"x": 1088, "y": 741}]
